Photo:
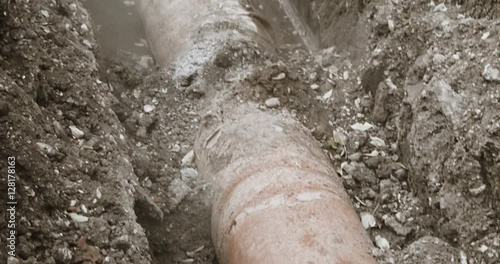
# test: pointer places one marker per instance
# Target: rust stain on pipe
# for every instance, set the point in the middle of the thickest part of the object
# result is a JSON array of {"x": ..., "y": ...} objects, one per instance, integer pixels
[{"x": 278, "y": 200}]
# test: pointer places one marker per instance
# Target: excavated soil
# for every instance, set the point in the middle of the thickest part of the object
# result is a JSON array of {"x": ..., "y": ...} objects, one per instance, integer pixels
[{"x": 403, "y": 95}]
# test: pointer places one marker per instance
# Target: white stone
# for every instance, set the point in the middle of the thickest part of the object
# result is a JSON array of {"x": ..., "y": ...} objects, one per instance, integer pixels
[
  {"x": 273, "y": 102},
  {"x": 76, "y": 132}
]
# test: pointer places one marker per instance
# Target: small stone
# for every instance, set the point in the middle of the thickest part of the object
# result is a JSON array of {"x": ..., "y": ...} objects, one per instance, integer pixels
[
  {"x": 84, "y": 27},
  {"x": 279, "y": 77},
  {"x": 390, "y": 24},
  {"x": 368, "y": 220},
  {"x": 382, "y": 243},
  {"x": 45, "y": 13},
  {"x": 438, "y": 58},
  {"x": 313, "y": 76},
  {"x": 397, "y": 227},
  {"x": 377, "y": 142},
  {"x": 142, "y": 132},
  {"x": 188, "y": 158},
  {"x": 87, "y": 43},
  {"x": 146, "y": 206},
  {"x": 340, "y": 137},
  {"x": 188, "y": 174},
  {"x": 478, "y": 190},
  {"x": 400, "y": 217},
  {"x": 362, "y": 127},
  {"x": 177, "y": 191},
  {"x": 46, "y": 148},
  {"x": 76, "y": 132},
  {"x": 273, "y": 102},
  {"x": 346, "y": 76},
  {"x": 374, "y": 162},
  {"x": 400, "y": 174},
  {"x": 122, "y": 242},
  {"x": 314, "y": 86},
  {"x": 491, "y": 74},
  {"x": 78, "y": 218},
  {"x": 355, "y": 157},
  {"x": 483, "y": 248},
  {"x": 149, "y": 108},
  {"x": 440, "y": 8},
  {"x": 361, "y": 173}
]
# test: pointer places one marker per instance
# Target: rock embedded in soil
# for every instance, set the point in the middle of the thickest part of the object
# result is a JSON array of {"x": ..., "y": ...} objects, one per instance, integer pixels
[
  {"x": 145, "y": 205},
  {"x": 491, "y": 74},
  {"x": 189, "y": 174},
  {"x": 273, "y": 102},
  {"x": 361, "y": 173},
  {"x": 177, "y": 191},
  {"x": 429, "y": 249}
]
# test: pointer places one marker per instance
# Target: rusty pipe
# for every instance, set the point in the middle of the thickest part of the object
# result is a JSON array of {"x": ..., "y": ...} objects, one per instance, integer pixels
[{"x": 277, "y": 197}]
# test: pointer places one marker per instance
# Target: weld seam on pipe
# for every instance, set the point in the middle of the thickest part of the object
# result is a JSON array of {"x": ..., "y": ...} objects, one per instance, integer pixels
[{"x": 256, "y": 215}]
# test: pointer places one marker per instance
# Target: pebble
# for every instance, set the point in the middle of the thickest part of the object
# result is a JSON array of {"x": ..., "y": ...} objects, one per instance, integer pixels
[
  {"x": 340, "y": 137},
  {"x": 315, "y": 87},
  {"x": 355, "y": 156},
  {"x": 491, "y": 74},
  {"x": 346, "y": 76},
  {"x": 177, "y": 190},
  {"x": 78, "y": 218},
  {"x": 72, "y": 7},
  {"x": 279, "y": 77},
  {"x": 440, "y": 8},
  {"x": 87, "y": 43},
  {"x": 149, "y": 108},
  {"x": 188, "y": 174},
  {"x": 478, "y": 190},
  {"x": 45, "y": 13},
  {"x": 84, "y": 27},
  {"x": 382, "y": 243},
  {"x": 368, "y": 220},
  {"x": 76, "y": 132},
  {"x": 397, "y": 226},
  {"x": 188, "y": 158},
  {"x": 273, "y": 102},
  {"x": 46, "y": 148},
  {"x": 361, "y": 173},
  {"x": 377, "y": 142},
  {"x": 142, "y": 132},
  {"x": 438, "y": 58}
]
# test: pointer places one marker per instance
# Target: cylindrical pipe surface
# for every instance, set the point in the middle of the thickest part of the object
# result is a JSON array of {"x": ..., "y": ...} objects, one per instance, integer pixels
[
  {"x": 169, "y": 25},
  {"x": 278, "y": 199}
]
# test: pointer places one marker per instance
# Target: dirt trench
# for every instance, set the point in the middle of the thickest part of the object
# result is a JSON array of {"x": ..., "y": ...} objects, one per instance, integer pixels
[{"x": 402, "y": 96}]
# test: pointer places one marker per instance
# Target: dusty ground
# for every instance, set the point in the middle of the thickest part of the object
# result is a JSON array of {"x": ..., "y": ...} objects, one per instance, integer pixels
[{"x": 94, "y": 137}]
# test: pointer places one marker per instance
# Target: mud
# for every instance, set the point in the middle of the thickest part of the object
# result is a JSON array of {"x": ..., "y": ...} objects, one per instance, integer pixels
[{"x": 427, "y": 171}]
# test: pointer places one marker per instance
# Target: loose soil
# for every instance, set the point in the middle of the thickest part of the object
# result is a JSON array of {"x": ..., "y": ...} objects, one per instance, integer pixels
[{"x": 96, "y": 135}]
